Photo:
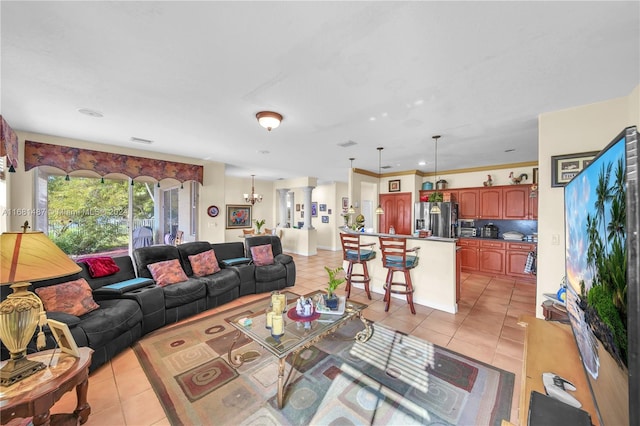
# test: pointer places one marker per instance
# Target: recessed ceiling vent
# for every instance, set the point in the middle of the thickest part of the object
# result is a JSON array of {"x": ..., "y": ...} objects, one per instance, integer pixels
[
  {"x": 347, "y": 144},
  {"x": 385, "y": 167},
  {"x": 140, "y": 140}
]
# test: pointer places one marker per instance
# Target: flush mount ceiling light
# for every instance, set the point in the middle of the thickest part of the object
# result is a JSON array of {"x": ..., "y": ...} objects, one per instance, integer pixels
[{"x": 269, "y": 119}]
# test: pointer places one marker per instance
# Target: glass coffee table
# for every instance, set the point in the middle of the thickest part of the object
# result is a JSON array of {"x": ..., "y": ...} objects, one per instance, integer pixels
[{"x": 299, "y": 333}]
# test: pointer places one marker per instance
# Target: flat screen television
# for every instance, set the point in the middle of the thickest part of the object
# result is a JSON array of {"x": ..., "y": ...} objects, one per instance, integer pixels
[{"x": 602, "y": 274}]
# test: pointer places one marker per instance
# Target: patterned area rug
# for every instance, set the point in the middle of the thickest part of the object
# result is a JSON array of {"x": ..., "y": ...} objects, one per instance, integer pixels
[{"x": 393, "y": 379}]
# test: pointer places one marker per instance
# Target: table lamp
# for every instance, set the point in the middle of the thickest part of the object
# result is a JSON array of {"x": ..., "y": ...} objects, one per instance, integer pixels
[{"x": 24, "y": 257}]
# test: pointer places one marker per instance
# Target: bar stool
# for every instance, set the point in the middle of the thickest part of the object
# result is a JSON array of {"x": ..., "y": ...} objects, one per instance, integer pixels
[
  {"x": 394, "y": 257},
  {"x": 353, "y": 253}
]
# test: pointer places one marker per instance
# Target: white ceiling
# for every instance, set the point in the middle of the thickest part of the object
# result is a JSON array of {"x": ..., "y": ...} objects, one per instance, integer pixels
[{"x": 192, "y": 75}]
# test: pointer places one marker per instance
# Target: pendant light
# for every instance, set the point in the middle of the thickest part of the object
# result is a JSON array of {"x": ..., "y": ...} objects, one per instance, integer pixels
[
  {"x": 379, "y": 209},
  {"x": 435, "y": 209}
]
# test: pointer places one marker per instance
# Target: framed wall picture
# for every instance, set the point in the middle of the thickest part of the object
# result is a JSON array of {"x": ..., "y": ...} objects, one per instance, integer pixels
[
  {"x": 345, "y": 203},
  {"x": 297, "y": 207},
  {"x": 314, "y": 209},
  {"x": 323, "y": 207},
  {"x": 565, "y": 167},
  {"x": 394, "y": 185},
  {"x": 238, "y": 216},
  {"x": 325, "y": 219},
  {"x": 65, "y": 340}
]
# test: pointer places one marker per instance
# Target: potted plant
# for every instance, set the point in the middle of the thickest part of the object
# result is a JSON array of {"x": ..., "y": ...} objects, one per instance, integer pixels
[
  {"x": 331, "y": 300},
  {"x": 259, "y": 224}
]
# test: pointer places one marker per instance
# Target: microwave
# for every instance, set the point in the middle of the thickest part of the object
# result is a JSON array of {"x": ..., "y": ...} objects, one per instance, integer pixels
[{"x": 467, "y": 232}]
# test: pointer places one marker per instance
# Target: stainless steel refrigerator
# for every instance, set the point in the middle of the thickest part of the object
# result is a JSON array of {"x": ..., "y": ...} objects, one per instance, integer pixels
[{"x": 441, "y": 225}]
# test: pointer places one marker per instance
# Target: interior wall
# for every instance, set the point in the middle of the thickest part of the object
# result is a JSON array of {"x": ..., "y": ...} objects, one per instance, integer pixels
[
  {"x": 234, "y": 189},
  {"x": 581, "y": 129}
]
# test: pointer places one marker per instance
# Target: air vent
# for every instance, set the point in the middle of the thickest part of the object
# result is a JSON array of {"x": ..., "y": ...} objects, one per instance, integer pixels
[
  {"x": 385, "y": 167},
  {"x": 140, "y": 140},
  {"x": 347, "y": 144}
]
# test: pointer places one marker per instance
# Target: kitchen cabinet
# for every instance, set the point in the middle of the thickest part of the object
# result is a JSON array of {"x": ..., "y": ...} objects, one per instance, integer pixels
[
  {"x": 398, "y": 210},
  {"x": 468, "y": 203},
  {"x": 490, "y": 203},
  {"x": 533, "y": 206},
  {"x": 491, "y": 256},
  {"x": 469, "y": 260},
  {"x": 515, "y": 202},
  {"x": 516, "y": 256}
]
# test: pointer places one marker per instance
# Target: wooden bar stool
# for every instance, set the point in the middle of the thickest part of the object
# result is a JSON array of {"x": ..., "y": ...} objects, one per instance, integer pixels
[
  {"x": 394, "y": 257},
  {"x": 353, "y": 252}
]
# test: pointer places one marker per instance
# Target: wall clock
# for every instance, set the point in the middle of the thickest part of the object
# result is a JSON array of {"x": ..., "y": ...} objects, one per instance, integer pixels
[{"x": 213, "y": 211}]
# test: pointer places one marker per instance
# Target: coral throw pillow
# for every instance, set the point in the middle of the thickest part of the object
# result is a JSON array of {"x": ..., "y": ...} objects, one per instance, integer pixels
[
  {"x": 101, "y": 266},
  {"x": 73, "y": 297},
  {"x": 204, "y": 263},
  {"x": 167, "y": 272},
  {"x": 262, "y": 255}
]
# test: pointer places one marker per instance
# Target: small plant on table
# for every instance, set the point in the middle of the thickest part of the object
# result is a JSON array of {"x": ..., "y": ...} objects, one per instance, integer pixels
[{"x": 331, "y": 300}]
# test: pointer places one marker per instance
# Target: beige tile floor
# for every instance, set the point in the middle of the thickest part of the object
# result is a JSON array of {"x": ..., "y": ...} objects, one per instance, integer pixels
[{"x": 485, "y": 328}]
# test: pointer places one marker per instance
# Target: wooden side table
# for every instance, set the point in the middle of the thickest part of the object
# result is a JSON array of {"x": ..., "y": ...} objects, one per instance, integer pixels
[
  {"x": 35, "y": 395},
  {"x": 554, "y": 312}
]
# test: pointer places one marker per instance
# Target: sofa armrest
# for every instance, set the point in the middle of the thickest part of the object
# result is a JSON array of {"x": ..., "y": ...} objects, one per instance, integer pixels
[
  {"x": 283, "y": 258},
  {"x": 119, "y": 288},
  {"x": 70, "y": 320}
]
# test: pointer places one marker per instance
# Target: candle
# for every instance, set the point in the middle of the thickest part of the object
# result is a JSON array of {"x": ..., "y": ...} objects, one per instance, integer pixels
[
  {"x": 277, "y": 325},
  {"x": 269, "y": 319},
  {"x": 283, "y": 301},
  {"x": 276, "y": 306}
]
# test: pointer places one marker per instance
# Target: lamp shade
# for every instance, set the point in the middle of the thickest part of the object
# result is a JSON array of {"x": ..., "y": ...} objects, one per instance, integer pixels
[{"x": 32, "y": 256}]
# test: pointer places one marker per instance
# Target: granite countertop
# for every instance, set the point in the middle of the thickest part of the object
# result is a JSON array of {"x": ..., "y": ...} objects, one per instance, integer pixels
[{"x": 409, "y": 237}]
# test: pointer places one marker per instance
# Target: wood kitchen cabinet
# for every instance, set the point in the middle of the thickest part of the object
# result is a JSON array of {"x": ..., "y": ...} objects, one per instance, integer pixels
[
  {"x": 516, "y": 256},
  {"x": 492, "y": 257},
  {"x": 518, "y": 204},
  {"x": 469, "y": 260},
  {"x": 490, "y": 203},
  {"x": 533, "y": 205},
  {"x": 468, "y": 203}
]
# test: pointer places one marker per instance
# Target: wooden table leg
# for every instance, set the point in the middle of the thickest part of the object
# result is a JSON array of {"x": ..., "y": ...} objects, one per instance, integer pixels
[
  {"x": 83, "y": 409},
  {"x": 41, "y": 419}
]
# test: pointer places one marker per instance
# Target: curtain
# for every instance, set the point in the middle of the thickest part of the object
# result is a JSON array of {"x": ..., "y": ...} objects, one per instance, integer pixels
[
  {"x": 8, "y": 144},
  {"x": 69, "y": 159}
]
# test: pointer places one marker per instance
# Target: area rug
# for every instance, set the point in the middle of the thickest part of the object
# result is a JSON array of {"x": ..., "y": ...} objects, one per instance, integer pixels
[{"x": 392, "y": 379}]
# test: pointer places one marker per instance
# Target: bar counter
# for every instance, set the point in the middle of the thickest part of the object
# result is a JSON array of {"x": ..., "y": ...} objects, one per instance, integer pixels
[{"x": 435, "y": 279}]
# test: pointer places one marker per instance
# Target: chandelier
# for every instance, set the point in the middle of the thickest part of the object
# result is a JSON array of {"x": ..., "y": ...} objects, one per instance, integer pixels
[{"x": 252, "y": 198}]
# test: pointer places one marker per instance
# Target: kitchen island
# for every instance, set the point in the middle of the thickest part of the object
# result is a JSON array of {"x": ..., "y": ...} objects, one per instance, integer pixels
[{"x": 436, "y": 279}]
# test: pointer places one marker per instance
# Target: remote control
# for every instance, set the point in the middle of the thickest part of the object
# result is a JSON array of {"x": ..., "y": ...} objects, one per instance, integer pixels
[{"x": 556, "y": 386}]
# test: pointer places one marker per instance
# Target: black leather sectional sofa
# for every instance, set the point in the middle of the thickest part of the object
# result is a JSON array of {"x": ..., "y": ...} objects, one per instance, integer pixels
[{"x": 132, "y": 304}]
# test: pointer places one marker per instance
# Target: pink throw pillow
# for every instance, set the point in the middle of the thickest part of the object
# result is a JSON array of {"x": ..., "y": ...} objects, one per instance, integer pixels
[
  {"x": 167, "y": 272},
  {"x": 262, "y": 255},
  {"x": 101, "y": 266},
  {"x": 73, "y": 297},
  {"x": 204, "y": 263}
]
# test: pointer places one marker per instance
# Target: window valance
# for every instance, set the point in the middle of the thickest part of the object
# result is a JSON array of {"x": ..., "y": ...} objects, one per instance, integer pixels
[
  {"x": 8, "y": 144},
  {"x": 69, "y": 159}
]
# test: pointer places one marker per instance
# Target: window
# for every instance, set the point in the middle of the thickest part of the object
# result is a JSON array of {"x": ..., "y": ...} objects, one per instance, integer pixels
[{"x": 89, "y": 215}]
